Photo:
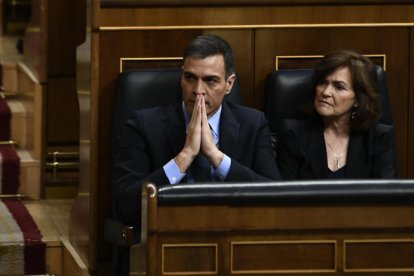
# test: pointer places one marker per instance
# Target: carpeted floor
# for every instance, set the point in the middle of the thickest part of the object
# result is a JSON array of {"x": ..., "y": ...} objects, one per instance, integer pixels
[
  {"x": 22, "y": 251},
  {"x": 10, "y": 169}
]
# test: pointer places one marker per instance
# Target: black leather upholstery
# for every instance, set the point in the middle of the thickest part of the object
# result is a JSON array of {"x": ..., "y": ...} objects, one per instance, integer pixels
[
  {"x": 288, "y": 91},
  {"x": 138, "y": 89},
  {"x": 288, "y": 192}
]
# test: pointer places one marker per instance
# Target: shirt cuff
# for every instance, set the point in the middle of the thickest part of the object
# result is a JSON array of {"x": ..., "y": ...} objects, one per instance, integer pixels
[
  {"x": 173, "y": 172},
  {"x": 223, "y": 169}
]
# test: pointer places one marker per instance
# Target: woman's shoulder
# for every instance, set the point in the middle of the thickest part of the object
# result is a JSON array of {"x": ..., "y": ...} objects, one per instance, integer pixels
[
  {"x": 383, "y": 132},
  {"x": 379, "y": 130},
  {"x": 379, "y": 136},
  {"x": 383, "y": 128}
]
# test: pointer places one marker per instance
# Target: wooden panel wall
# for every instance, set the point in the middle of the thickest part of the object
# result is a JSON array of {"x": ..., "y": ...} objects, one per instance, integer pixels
[
  {"x": 50, "y": 44},
  {"x": 410, "y": 102},
  {"x": 35, "y": 49},
  {"x": 258, "y": 31},
  {"x": 63, "y": 35},
  {"x": 252, "y": 16},
  {"x": 178, "y": 3}
]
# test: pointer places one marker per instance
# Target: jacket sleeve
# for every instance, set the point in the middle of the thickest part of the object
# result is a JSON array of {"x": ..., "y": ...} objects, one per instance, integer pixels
[
  {"x": 385, "y": 155},
  {"x": 288, "y": 157},
  {"x": 131, "y": 169}
]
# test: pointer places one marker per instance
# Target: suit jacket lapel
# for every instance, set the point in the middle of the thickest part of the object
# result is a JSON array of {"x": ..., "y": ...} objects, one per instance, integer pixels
[
  {"x": 176, "y": 128},
  {"x": 229, "y": 131},
  {"x": 316, "y": 150}
]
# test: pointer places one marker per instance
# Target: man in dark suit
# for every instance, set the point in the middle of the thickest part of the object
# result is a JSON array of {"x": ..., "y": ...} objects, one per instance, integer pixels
[{"x": 167, "y": 145}]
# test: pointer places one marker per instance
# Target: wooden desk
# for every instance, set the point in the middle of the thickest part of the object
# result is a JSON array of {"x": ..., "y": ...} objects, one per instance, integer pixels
[{"x": 325, "y": 234}]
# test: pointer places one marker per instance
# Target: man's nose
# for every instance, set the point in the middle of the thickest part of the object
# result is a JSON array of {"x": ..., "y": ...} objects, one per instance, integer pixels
[{"x": 199, "y": 87}]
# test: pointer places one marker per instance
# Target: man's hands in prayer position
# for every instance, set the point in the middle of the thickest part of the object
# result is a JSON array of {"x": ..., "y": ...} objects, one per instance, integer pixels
[{"x": 199, "y": 138}]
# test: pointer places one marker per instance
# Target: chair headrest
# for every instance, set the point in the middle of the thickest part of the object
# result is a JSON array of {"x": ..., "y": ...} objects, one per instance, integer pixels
[
  {"x": 289, "y": 91},
  {"x": 138, "y": 89}
]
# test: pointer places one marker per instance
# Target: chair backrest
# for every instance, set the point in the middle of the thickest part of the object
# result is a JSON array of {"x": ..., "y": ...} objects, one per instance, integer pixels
[
  {"x": 138, "y": 89},
  {"x": 288, "y": 91}
]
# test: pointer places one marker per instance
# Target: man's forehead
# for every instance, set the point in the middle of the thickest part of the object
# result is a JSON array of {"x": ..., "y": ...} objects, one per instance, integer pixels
[
  {"x": 211, "y": 65},
  {"x": 215, "y": 60}
]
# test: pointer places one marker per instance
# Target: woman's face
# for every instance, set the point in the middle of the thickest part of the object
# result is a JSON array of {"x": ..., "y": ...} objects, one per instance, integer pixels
[{"x": 335, "y": 96}]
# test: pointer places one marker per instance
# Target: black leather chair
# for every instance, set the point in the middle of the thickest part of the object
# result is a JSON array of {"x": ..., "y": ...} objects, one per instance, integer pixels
[
  {"x": 289, "y": 91},
  {"x": 138, "y": 89}
]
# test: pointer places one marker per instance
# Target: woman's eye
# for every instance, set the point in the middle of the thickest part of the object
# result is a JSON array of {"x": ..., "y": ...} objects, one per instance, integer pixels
[
  {"x": 339, "y": 87},
  {"x": 322, "y": 84}
]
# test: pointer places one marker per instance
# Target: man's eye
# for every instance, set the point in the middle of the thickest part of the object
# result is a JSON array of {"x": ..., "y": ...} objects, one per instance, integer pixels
[
  {"x": 189, "y": 77},
  {"x": 211, "y": 81}
]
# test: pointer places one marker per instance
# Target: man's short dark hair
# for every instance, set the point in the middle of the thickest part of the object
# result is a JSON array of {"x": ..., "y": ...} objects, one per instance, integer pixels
[{"x": 209, "y": 45}]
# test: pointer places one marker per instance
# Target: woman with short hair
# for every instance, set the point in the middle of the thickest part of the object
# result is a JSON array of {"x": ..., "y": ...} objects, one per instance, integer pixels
[{"x": 342, "y": 138}]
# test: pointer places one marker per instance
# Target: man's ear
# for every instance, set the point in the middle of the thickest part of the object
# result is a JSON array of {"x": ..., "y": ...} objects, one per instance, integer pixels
[{"x": 230, "y": 82}]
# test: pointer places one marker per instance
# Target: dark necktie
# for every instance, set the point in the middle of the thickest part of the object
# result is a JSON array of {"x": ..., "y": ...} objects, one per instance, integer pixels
[{"x": 202, "y": 169}]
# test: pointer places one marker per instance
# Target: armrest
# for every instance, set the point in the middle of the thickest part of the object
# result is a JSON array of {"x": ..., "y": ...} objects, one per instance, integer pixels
[
  {"x": 321, "y": 191},
  {"x": 118, "y": 233},
  {"x": 283, "y": 192}
]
